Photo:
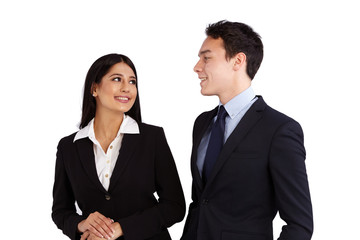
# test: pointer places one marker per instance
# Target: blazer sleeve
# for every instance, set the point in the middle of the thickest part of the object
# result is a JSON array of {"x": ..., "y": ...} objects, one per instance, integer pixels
[
  {"x": 287, "y": 166},
  {"x": 171, "y": 203},
  {"x": 63, "y": 210}
]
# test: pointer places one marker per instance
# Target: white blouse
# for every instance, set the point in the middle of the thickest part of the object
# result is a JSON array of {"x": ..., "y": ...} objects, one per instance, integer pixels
[{"x": 105, "y": 162}]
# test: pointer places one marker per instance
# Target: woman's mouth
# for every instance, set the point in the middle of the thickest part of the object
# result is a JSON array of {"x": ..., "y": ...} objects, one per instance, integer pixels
[{"x": 122, "y": 99}]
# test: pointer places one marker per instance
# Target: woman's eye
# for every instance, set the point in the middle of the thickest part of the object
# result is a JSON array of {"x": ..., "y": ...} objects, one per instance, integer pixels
[
  {"x": 133, "y": 82},
  {"x": 117, "y": 79}
]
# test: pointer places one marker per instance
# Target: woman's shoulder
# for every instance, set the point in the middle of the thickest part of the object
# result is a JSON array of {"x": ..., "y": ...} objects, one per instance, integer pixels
[
  {"x": 67, "y": 139},
  {"x": 149, "y": 128}
]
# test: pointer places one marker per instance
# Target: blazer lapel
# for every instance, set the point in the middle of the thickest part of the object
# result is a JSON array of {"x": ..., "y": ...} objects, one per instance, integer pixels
[
  {"x": 87, "y": 158},
  {"x": 128, "y": 146},
  {"x": 199, "y": 133},
  {"x": 252, "y": 116}
]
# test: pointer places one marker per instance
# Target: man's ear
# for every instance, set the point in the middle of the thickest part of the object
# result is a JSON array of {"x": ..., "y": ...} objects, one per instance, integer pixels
[{"x": 239, "y": 61}]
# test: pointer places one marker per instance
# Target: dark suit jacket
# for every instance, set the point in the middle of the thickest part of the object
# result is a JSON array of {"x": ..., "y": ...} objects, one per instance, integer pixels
[
  {"x": 259, "y": 172},
  {"x": 145, "y": 165}
]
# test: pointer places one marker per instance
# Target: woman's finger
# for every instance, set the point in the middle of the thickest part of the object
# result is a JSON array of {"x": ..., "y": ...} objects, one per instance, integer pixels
[
  {"x": 101, "y": 226},
  {"x": 85, "y": 235}
]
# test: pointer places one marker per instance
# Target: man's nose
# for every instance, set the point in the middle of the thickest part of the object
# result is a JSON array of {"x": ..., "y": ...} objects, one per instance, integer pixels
[{"x": 198, "y": 67}]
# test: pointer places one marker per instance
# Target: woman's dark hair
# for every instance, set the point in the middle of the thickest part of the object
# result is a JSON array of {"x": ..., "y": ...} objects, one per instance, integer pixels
[
  {"x": 239, "y": 37},
  {"x": 96, "y": 72}
]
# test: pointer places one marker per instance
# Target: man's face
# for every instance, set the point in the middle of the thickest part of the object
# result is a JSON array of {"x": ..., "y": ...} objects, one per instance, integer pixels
[{"x": 215, "y": 72}]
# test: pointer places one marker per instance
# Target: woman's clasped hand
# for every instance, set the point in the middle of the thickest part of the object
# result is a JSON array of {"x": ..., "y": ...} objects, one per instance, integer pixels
[{"x": 97, "y": 226}]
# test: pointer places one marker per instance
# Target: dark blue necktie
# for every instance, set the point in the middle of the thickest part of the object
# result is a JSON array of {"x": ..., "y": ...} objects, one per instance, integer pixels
[{"x": 215, "y": 144}]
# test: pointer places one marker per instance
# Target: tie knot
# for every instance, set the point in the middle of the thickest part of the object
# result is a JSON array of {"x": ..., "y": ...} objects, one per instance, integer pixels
[{"x": 222, "y": 112}]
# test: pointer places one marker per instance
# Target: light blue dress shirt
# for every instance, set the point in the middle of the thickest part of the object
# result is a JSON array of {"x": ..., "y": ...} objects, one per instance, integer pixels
[{"x": 236, "y": 109}]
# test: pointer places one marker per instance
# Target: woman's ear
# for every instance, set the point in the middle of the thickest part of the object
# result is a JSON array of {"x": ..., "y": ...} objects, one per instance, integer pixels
[
  {"x": 93, "y": 90},
  {"x": 240, "y": 61}
]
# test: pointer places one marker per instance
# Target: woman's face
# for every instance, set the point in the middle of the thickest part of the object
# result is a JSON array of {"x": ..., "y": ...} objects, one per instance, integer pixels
[{"x": 117, "y": 90}]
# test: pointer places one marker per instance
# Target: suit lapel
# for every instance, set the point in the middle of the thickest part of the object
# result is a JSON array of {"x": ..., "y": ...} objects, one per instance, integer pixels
[
  {"x": 87, "y": 158},
  {"x": 199, "y": 133},
  {"x": 128, "y": 146},
  {"x": 252, "y": 116}
]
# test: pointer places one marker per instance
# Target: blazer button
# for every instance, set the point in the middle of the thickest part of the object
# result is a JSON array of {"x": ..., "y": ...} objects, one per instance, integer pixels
[
  {"x": 205, "y": 201},
  {"x": 107, "y": 197}
]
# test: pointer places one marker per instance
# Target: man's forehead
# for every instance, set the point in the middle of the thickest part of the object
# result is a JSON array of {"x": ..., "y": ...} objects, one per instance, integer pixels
[{"x": 211, "y": 45}]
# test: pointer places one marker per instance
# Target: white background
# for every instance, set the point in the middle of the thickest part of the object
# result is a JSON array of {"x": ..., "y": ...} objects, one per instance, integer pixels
[{"x": 310, "y": 72}]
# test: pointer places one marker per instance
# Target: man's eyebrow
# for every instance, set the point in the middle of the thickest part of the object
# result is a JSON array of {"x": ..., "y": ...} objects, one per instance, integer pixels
[{"x": 203, "y": 52}]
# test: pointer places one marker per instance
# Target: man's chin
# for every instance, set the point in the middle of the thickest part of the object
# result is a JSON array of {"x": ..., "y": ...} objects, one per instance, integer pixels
[{"x": 206, "y": 93}]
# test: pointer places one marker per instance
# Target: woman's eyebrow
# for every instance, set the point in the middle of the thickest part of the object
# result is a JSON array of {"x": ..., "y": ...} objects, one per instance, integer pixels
[
  {"x": 121, "y": 75},
  {"x": 116, "y": 74}
]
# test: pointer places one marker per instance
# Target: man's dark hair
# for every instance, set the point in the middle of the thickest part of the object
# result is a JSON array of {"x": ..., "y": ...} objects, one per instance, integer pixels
[{"x": 239, "y": 37}]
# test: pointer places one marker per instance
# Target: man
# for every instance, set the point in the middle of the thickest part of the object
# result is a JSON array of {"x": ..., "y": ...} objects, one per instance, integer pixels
[{"x": 247, "y": 159}]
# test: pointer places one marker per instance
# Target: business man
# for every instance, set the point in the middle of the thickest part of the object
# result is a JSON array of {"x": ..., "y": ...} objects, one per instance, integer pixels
[{"x": 247, "y": 159}]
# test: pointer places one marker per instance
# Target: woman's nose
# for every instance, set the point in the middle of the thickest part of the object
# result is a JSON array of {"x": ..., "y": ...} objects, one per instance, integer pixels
[{"x": 124, "y": 87}]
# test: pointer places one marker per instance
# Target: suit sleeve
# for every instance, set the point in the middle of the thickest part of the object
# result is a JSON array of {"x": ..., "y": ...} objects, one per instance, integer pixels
[
  {"x": 63, "y": 210},
  {"x": 171, "y": 203},
  {"x": 287, "y": 166}
]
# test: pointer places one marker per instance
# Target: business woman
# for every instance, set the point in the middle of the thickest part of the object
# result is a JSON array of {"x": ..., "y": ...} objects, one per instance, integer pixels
[{"x": 114, "y": 164}]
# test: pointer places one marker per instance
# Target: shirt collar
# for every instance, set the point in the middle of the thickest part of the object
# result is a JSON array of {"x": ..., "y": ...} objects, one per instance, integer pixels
[
  {"x": 236, "y": 104},
  {"x": 128, "y": 126}
]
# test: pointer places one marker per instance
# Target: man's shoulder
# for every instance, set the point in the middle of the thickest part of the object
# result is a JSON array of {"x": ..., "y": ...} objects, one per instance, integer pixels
[
  {"x": 275, "y": 118},
  {"x": 207, "y": 114},
  {"x": 275, "y": 115}
]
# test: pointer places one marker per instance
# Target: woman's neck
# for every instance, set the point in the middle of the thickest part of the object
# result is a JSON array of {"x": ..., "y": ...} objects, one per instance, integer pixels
[{"x": 106, "y": 128}]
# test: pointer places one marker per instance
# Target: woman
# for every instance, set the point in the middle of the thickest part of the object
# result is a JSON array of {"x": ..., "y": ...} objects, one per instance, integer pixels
[{"x": 113, "y": 165}]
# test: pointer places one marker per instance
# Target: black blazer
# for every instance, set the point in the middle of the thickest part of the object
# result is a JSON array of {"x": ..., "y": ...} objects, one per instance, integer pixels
[
  {"x": 145, "y": 165},
  {"x": 259, "y": 172}
]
